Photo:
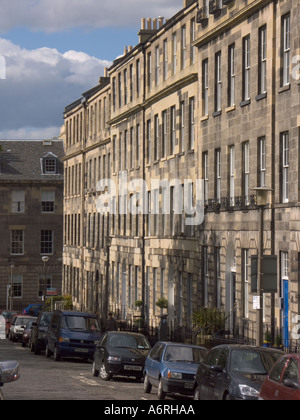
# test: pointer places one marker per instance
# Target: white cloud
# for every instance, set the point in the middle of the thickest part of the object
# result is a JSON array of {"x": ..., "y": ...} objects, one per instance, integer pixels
[
  {"x": 40, "y": 83},
  {"x": 30, "y": 133},
  {"x": 58, "y": 15}
]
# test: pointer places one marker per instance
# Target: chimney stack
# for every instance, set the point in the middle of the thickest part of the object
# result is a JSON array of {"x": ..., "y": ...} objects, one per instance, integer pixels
[{"x": 144, "y": 33}]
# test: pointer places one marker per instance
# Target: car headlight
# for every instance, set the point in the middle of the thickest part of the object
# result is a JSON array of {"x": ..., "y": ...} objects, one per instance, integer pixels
[
  {"x": 174, "y": 375},
  {"x": 114, "y": 359},
  {"x": 248, "y": 391}
]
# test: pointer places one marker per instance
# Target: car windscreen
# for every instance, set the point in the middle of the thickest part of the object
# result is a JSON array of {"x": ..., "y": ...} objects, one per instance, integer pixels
[
  {"x": 45, "y": 319},
  {"x": 128, "y": 341},
  {"x": 80, "y": 323},
  {"x": 23, "y": 321},
  {"x": 183, "y": 354},
  {"x": 253, "y": 362}
]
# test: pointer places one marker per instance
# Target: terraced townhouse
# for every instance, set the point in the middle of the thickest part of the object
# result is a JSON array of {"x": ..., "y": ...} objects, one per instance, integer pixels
[
  {"x": 211, "y": 94},
  {"x": 31, "y": 224}
]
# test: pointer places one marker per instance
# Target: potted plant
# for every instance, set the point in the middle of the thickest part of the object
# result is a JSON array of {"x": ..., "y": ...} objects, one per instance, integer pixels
[
  {"x": 278, "y": 342},
  {"x": 268, "y": 339},
  {"x": 138, "y": 304},
  {"x": 162, "y": 303}
]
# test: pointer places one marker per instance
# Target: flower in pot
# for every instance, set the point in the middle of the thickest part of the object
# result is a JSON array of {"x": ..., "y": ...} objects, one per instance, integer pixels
[
  {"x": 162, "y": 303},
  {"x": 268, "y": 339},
  {"x": 138, "y": 304}
]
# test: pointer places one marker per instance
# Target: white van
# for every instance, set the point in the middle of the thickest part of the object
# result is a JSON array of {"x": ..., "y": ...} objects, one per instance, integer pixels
[{"x": 2, "y": 328}]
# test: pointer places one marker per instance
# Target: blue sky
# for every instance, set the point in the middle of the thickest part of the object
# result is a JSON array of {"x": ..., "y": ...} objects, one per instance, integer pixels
[{"x": 54, "y": 50}]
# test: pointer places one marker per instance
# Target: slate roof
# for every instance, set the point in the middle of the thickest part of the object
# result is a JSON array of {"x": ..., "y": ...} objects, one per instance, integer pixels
[{"x": 21, "y": 160}]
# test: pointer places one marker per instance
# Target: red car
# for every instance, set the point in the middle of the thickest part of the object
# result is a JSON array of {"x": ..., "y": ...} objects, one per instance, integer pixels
[{"x": 283, "y": 381}]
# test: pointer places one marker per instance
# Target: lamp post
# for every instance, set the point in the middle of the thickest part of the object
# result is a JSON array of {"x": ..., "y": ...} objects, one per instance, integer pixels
[
  {"x": 45, "y": 259},
  {"x": 262, "y": 194},
  {"x": 12, "y": 265}
]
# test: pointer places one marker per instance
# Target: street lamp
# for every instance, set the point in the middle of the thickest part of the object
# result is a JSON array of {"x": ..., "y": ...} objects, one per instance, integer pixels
[
  {"x": 45, "y": 259},
  {"x": 12, "y": 265},
  {"x": 262, "y": 195}
]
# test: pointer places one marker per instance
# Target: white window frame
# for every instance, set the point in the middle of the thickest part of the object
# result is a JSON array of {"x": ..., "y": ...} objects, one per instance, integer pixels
[
  {"x": 286, "y": 47},
  {"x": 285, "y": 167}
]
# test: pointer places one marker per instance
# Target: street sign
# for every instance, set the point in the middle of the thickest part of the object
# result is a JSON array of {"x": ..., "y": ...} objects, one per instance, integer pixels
[
  {"x": 269, "y": 273},
  {"x": 51, "y": 292},
  {"x": 256, "y": 302}
]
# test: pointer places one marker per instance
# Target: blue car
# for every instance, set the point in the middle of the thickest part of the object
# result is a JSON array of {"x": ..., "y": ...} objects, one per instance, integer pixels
[
  {"x": 171, "y": 368},
  {"x": 72, "y": 334},
  {"x": 33, "y": 309}
]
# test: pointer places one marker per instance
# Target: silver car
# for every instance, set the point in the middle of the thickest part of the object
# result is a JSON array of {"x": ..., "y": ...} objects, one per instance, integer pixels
[{"x": 9, "y": 372}]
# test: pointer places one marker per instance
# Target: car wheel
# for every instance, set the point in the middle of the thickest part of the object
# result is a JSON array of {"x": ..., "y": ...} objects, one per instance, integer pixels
[
  {"x": 48, "y": 353},
  {"x": 95, "y": 371},
  {"x": 37, "y": 351},
  {"x": 56, "y": 355},
  {"x": 147, "y": 385},
  {"x": 104, "y": 375},
  {"x": 160, "y": 392},
  {"x": 227, "y": 397},
  {"x": 197, "y": 394}
]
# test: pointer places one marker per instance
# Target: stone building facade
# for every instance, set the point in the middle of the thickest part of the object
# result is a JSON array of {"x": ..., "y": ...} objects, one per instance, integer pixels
[
  {"x": 210, "y": 94},
  {"x": 31, "y": 226}
]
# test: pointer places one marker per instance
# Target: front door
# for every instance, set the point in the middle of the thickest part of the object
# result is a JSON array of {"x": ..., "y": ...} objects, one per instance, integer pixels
[{"x": 286, "y": 313}]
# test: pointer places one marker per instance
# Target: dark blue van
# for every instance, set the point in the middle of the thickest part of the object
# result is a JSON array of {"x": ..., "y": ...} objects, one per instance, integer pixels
[{"x": 72, "y": 334}]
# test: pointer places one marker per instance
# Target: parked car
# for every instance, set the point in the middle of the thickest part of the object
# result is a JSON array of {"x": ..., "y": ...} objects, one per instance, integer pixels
[
  {"x": 39, "y": 332},
  {"x": 7, "y": 313},
  {"x": 9, "y": 372},
  {"x": 171, "y": 367},
  {"x": 9, "y": 316},
  {"x": 72, "y": 334},
  {"x": 121, "y": 353},
  {"x": 33, "y": 309},
  {"x": 18, "y": 326},
  {"x": 27, "y": 333},
  {"x": 283, "y": 382},
  {"x": 234, "y": 372}
]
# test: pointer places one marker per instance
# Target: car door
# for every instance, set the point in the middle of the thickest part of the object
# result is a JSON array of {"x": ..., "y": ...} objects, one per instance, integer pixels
[
  {"x": 53, "y": 331},
  {"x": 154, "y": 363},
  {"x": 270, "y": 389},
  {"x": 220, "y": 373},
  {"x": 207, "y": 374},
  {"x": 291, "y": 373},
  {"x": 101, "y": 348}
]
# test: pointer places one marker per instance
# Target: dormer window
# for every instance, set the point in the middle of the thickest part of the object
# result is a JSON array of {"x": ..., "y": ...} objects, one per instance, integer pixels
[{"x": 50, "y": 164}]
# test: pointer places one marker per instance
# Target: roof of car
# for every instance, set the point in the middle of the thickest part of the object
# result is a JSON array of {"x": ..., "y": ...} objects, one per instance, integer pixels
[
  {"x": 75, "y": 313},
  {"x": 245, "y": 347},
  {"x": 124, "y": 333},
  {"x": 168, "y": 343}
]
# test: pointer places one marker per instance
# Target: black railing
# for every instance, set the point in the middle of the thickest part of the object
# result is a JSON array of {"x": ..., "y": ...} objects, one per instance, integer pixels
[{"x": 243, "y": 203}]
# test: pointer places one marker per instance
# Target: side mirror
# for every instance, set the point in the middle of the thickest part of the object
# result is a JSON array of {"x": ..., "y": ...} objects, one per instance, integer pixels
[
  {"x": 217, "y": 369},
  {"x": 292, "y": 383},
  {"x": 9, "y": 372}
]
